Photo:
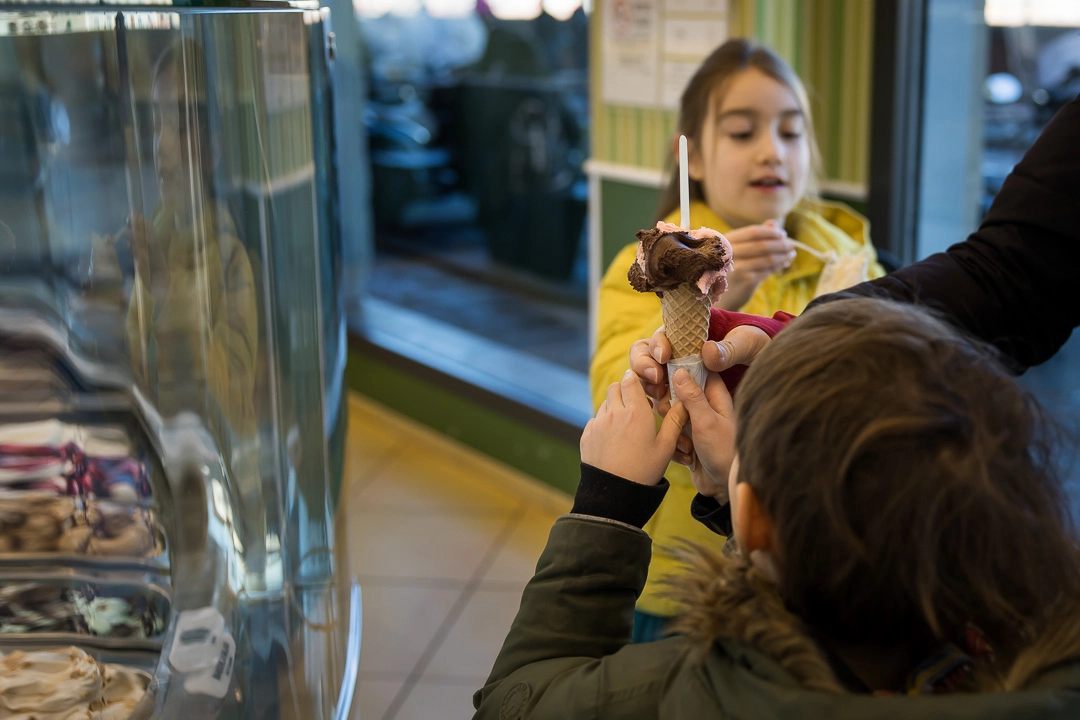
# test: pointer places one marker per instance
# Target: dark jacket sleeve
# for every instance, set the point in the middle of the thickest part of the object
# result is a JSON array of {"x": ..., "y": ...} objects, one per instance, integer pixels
[
  {"x": 1011, "y": 282},
  {"x": 568, "y": 653}
]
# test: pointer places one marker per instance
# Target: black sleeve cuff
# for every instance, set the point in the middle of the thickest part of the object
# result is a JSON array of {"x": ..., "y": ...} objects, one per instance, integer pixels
[
  {"x": 601, "y": 494},
  {"x": 712, "y": 514}
]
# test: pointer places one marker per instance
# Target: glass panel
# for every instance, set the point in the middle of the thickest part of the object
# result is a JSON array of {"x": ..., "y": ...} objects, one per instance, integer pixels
[
  {"x": 997, "y": 72},
  {"x": 171, "y": 346},
  {"x": 478, "y": 124}
]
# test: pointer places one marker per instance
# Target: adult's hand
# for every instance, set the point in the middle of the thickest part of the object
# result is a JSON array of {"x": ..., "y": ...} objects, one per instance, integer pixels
[
  {"x": 623, "y": 440},
  {"x": 758, "y": 251},
  {"x": 739, "y": 347},
  {"x": 712, "y": 424},
  {"x": 647, "y": 361},
  {"x": 648, "y": 358}
]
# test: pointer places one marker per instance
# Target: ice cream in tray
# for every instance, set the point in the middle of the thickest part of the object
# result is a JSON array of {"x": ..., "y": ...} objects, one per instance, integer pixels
[
  {"x": 67, "y": 682},
  {"x": 74, "y": 490},
  {"x": 34, "y": 524},
  {"x": 105, "y": 611},
  {"x": 70, "y": 459}
]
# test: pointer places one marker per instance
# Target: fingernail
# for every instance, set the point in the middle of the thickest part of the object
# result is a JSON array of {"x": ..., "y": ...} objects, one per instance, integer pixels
[
  {"x": 627, "y": 375},
  {"x": 681, "y": 376},
  {"x": 723, "y": 353},
  {"x": 650, "y": 375},
  {"x": 657, "y": 354}
]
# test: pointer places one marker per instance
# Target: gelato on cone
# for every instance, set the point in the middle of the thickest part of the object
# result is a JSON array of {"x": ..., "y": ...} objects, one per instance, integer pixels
[{"x": 688, "y": 271}]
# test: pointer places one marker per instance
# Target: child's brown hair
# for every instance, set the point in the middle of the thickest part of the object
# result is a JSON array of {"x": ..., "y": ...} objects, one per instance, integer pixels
[
  {"x": 912, "y": 486},
  {"x": 706, "y": 87},
  {"x": 184, "y": 59}
]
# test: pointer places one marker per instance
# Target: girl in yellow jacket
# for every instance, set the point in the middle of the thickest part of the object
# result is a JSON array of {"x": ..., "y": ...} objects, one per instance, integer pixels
[
  {"x": 192, "y": 321},
  {"x": 752, "y": 164}
]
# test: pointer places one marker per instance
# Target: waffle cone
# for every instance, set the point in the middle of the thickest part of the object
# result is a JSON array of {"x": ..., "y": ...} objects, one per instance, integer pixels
[{"x": 686, "y": 319}]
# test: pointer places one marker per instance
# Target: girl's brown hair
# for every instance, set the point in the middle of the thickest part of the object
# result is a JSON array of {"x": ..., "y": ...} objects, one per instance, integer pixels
[
  {"x": 913, "y": 489},
  {"x": 706, "y": 88},
  {"x": 184, "y": 59}
]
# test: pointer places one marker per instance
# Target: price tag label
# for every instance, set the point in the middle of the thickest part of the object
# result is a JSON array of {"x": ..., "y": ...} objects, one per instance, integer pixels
[{"x": 204, "y": 652}]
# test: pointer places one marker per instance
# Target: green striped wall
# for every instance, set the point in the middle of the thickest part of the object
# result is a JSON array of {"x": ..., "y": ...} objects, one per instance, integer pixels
[{"x": 827, "y": 42}]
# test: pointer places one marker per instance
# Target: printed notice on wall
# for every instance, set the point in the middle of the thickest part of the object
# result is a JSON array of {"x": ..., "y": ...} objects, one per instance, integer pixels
[
  {"x": 651, "y": 48},
  {"x": 676, "y": 77},
  {"x": 696, "y": 38},
  {"x": 697, "y": 6},
  {"x": 692, "y": 30},
  {"x": 631, "y": 48}
]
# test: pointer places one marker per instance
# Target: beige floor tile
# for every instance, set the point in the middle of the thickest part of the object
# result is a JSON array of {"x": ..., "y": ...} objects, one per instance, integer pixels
[
  {"x": 430, "y": 701},
  {"x": 370, "y": 441},
  {"x": 451, "y": 455},
  {"x": 373, "y": 698},
  {"x": 469, "y": 650},
  {"x": 516, "y": 561},
  {"x": 419, "y": 479},
  {"x": 399, "y": 623},
  {"x": 443, "y": 547}
]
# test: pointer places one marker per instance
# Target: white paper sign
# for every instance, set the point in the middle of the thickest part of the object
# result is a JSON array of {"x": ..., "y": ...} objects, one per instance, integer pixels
[
  {"x": 631, "y": 44},
  {"x": 676, "y": 76},
  {"x": 696, "y": 38},
  {"x": 716, "y": 6},
  {"x": 204, "y": 651}
]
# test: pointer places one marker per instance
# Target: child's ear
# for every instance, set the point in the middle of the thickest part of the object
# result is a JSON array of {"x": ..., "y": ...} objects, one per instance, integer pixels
[
  {"x": 756, "y": 529},
  {"x": 695, "y": 167}
]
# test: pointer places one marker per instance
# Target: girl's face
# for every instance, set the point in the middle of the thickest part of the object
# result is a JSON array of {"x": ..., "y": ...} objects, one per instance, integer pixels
[
  {"x": 754, "y": 158},
  {"x": 171, "y": 142}
]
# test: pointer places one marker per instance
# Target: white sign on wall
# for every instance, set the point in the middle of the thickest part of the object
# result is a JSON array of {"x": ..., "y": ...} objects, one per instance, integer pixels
[
  {"x": 651, "y": 48},
  {"x": 697, "y": 6},
  {"x": 631, "y": 42}
]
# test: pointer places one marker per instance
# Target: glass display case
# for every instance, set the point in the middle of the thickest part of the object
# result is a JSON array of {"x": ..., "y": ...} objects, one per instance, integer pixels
[{"x": 171, "y": 364}]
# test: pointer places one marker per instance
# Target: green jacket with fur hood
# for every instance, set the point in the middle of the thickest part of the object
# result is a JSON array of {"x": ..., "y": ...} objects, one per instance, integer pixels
[{"x": 568, "y": 654}]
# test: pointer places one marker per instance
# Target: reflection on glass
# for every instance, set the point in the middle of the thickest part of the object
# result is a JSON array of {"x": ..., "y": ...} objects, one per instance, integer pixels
[
  {"x": 191, "y": 316},
  {"x": 478, "y": 128},
  {"x": 170, "y": 312}
]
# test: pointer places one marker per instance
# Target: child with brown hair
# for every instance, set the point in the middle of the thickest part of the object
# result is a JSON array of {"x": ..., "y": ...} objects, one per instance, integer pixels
[
  {"x": 903, "y": 544},
  {"x": 192, "y": 317},
  {"x": 752, "y": 167}
]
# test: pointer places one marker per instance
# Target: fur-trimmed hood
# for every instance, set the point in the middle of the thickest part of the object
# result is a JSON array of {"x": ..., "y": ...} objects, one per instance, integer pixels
[{"x": 726, "y": 597}]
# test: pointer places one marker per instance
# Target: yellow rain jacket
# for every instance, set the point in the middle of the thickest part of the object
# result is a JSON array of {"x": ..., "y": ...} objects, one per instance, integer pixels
[
  {"x": 205, "y": 329},
  {"x": 626, "y": 316}
]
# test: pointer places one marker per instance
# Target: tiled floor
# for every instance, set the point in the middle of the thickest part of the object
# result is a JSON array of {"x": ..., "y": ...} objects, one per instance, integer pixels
[{"x": 442, "y": 540}]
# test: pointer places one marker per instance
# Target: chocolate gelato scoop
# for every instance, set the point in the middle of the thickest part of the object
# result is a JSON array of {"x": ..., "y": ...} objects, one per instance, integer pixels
[{"x": 669, "y": 256}]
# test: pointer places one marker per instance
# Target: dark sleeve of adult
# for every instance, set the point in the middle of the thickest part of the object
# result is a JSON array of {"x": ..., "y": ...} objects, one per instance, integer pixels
[{"x": 1012, "y": 283}]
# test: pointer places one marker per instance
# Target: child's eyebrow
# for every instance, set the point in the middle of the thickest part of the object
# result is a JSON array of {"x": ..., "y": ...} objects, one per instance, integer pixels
[{"x": 752, "y": 114}]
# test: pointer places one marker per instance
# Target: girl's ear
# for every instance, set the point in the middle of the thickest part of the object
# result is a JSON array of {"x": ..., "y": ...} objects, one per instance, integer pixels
[
  {"x": 695, "y": 164},
  {"x": 756, "y": 528}
]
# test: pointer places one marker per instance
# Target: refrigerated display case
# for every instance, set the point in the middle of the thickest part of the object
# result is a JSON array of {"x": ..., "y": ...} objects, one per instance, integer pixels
[{"x": 171, "y": 363}]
